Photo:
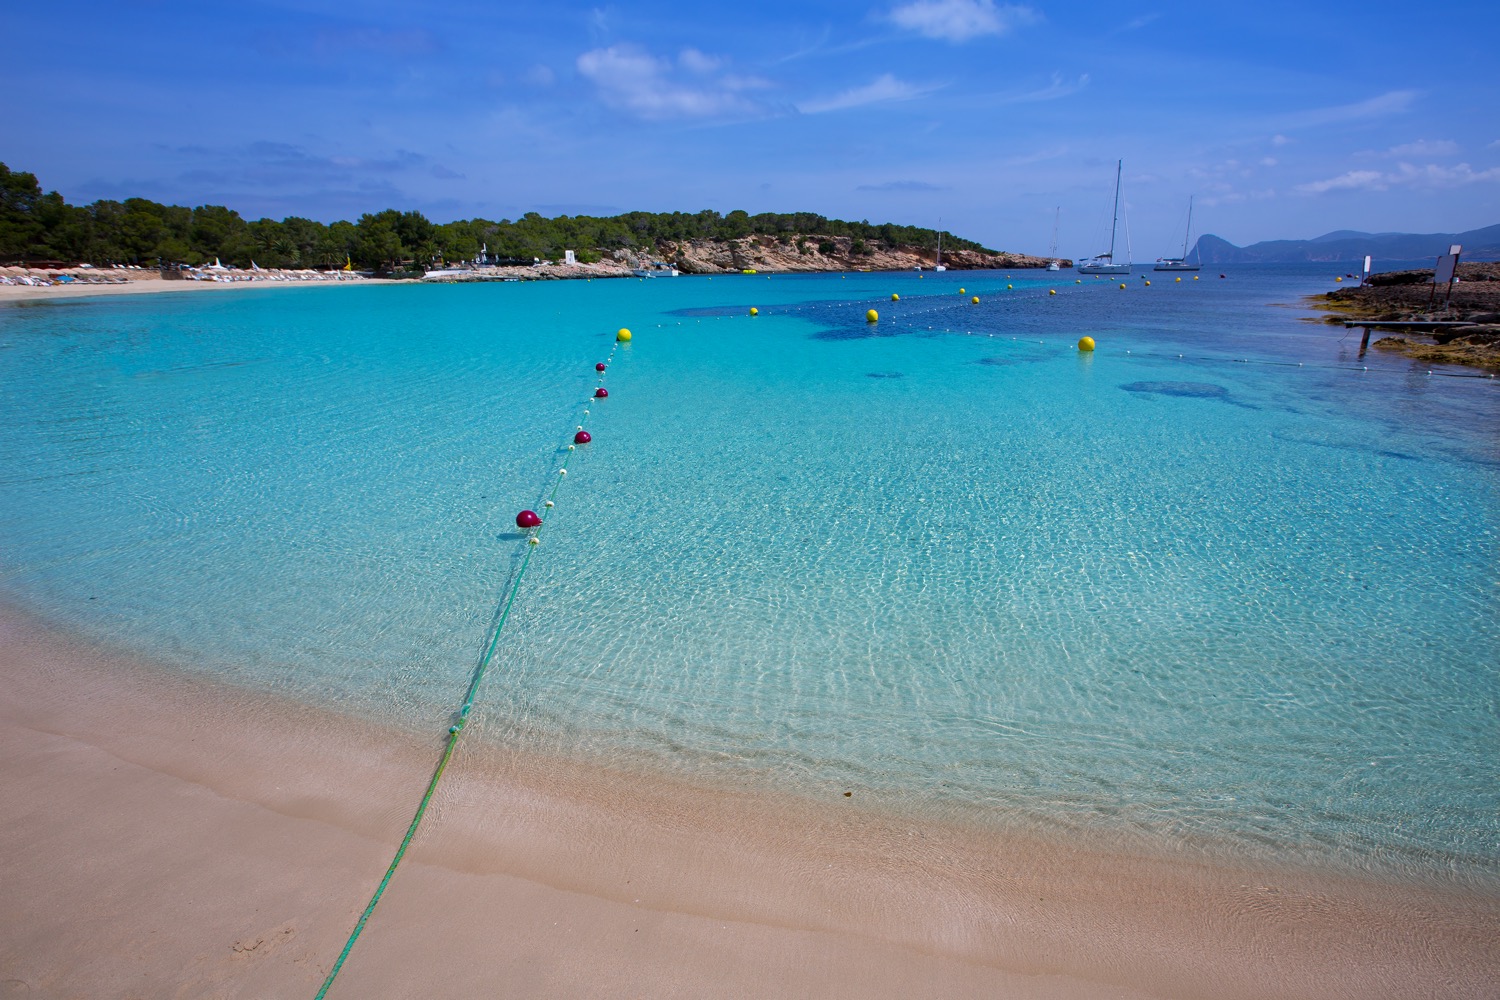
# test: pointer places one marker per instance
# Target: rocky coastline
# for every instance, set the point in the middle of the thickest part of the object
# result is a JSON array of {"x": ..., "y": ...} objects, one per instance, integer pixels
[
  {"x": 1397, "y": 297},
  {"x": 763, "y": 255}
]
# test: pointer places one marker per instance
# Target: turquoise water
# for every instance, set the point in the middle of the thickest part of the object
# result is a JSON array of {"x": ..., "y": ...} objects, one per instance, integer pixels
[{"x": 1216, "y": 586}]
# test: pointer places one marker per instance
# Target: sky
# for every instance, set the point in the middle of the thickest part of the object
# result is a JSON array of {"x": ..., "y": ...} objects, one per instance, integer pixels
[{"x": 992, "y": 120}]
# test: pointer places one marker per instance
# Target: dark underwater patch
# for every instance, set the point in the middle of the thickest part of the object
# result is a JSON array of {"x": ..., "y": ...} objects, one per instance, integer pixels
[
  {"x": 1187, "y": 390},
  {"x": 1191, "y": 390},
  {"x": 885, "y": 375}
]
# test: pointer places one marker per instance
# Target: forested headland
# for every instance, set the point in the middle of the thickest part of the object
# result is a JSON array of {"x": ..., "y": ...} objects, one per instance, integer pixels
[{"x": 38, "y": 226}]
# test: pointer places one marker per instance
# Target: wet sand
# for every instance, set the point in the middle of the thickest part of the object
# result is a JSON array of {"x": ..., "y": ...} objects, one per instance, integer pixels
[{"x": 165, "y": 836}]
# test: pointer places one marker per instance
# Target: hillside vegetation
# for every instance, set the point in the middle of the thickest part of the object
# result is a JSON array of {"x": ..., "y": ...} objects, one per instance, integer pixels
[{"x": 38, "y": 226}]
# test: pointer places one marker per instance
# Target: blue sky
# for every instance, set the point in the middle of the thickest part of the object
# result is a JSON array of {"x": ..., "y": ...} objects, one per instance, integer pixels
[{"x": 1282, "y": 120}]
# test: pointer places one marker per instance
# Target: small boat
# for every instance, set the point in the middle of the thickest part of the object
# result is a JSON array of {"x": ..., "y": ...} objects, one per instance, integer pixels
[
  {"x": 939, "y": 265},
  {"x": 1104, "y": 263},
  {"x": 1054, "y": 264},
  {"x": 656, "y": 269},
  {"x": 1181, "y": 263}
]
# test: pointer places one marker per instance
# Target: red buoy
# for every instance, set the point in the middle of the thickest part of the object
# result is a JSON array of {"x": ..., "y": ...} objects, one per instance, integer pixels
[
  {"x": 528, "y": 519},
  {"x": 600, "y": 393},
  {"x": 582, "y": 437},
  {"x": 599, "y": 367}
]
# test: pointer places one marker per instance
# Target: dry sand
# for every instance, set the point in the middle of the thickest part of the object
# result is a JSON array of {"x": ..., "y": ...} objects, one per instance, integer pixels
[
  {"x": 150, "y": 282},
  {"x": 169, "y": 837}
]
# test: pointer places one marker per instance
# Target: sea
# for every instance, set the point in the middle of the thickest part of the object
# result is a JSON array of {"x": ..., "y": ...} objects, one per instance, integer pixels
[{"x": 1225, "y": 585}]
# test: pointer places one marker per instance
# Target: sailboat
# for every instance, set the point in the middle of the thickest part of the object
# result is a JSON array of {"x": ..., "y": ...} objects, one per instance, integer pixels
[
  {"x": 1104, "y": 263},
  {"x": 939, "y": 266},
  {"x": 1054, "y": 264},
  {"x": 1181, "y": 263}
]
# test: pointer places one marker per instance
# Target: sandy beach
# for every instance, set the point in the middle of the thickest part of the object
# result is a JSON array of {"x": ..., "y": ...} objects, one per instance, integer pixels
[
  {"x": 151, "y": 282},
  {"x": 168, "y": 837}
]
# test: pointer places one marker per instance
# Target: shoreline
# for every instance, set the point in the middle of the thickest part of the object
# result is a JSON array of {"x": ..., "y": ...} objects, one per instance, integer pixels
[
  {"x": 171, "y": 834},
  {"x": 1470, "y": 311}
]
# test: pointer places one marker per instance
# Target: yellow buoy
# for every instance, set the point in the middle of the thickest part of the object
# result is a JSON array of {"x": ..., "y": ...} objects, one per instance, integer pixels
[
  {"x": 623, "y": 335},
  {"x": 1051, "y": 291},
  {"x": 1179, "y": 281},
  {"x": 895, "y": 297},
  {"x": 1077, "y": 281},
  {"x": 1010, "y": 286},
  {"x": 975, "y": 300},
  {"x": 960, "y": 291},
  {"x": 1122, "y": 284},
  {"x": 1195, "y": 277},
  {"x": 754, "y": 311},
  {"x": 872, "y": 316},
  {"x": 1085, "y": 343},
  {"x": 1148, "y": 283},
  {"x": 1338, "y": 279}
]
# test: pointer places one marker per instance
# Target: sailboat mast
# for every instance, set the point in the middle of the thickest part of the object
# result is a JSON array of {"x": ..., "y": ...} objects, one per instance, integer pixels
[
  {"x": 940, "y": 241},
  {"x": 1115, "y": 223},
  {"x": 1056, "y": 217},
  {"x": 1188, "y": 234}
]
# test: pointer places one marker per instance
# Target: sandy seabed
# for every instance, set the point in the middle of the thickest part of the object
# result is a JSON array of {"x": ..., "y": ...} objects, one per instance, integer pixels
[{"x": 164, "y": 836}]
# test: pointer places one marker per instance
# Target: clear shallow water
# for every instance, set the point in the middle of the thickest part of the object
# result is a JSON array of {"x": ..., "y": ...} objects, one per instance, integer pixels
[{"x": 1216, "y": 600}]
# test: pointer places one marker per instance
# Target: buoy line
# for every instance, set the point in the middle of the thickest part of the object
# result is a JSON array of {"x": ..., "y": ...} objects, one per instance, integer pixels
[{"x": 533, "y": 524}]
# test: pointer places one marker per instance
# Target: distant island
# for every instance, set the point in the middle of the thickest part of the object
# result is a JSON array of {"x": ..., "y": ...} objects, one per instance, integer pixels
[
  {"x": 1346, "y": 245},
  {"x": 43, "y": 228}
]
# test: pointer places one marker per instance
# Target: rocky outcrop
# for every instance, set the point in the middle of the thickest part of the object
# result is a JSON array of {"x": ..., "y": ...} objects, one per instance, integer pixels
[
  {"x": 1408, "y": 297},
  {"x": 825, "y": 253},
  {"x": 765, "y": 254}
]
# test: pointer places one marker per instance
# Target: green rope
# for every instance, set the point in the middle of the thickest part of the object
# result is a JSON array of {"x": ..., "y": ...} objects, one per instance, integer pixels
[{"x": 454, "y": 732}]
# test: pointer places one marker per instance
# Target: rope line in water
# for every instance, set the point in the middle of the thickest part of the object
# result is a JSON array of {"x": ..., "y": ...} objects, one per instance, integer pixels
[{"x": 454, "y": 731}]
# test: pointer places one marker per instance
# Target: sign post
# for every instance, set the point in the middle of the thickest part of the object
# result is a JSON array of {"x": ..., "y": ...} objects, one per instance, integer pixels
[{"x": 1447, "y": 265}]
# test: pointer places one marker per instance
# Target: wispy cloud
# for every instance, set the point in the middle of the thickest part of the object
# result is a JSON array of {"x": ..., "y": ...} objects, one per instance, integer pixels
[
  {"x": 1354, "y": 180},
  {"x": 1423, "y": 147},
  {"x": 1058, "y": 88},
  {"x": 1137, "y": 23},
  {"x": 918, "y": 187},
  {"x": 961, "y": 20},
  {"x": 1040, "y": 156},
  {"x": 646, "y": 86},
  {"x": 402, "y": 42},
  {"x": 1429, "y": 176},
  {"x": 882, "y": 89},
  {"x": 1390, "y": 103}
]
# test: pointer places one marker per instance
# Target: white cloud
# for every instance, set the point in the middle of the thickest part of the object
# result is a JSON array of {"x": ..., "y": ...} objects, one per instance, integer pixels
[
  {"x": 1281, "y": 140},
  {"x": 1354, "y": 180},
  {"x": 539, "y": 76},
  {"x": 1268, "y": 161},
  {"x": 882, "y": 89},
  {"x": 1140, "y": 22},
  {"x": 1390, "y": 103},
  {"x": 961, "y": 20},
  {"x": 1423, "y": 147},
  {"x": 1405, "y": 175},
  {"x": 697, "y": 62},
  {"x": 638, "y": 82},
  {"x": 1056, "y": 89}
]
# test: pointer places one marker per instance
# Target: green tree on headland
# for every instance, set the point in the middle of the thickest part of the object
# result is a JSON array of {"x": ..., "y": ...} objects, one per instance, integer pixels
[{"x": 37, "y": 226}]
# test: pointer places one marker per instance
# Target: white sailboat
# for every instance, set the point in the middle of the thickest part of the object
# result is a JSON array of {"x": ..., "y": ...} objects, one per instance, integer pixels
[
  {"x": 1181, "y": 263},
  {"x": 939, "y": 266},
  {"x": 1104, "y": 263},
  {"x": 1054, "y": 264}
]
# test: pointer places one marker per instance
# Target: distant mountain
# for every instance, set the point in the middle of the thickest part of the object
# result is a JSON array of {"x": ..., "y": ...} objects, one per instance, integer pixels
[{"x": 1347, "y": 245}]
